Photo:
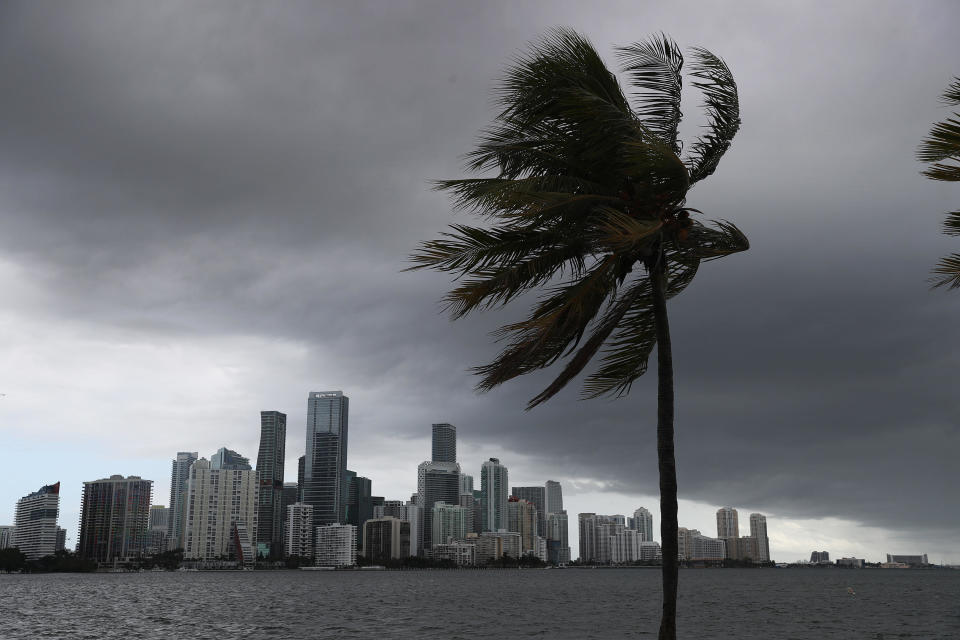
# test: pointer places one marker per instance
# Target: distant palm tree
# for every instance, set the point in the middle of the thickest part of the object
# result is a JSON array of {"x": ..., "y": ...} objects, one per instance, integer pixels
[
  {"x": 587, "y": 188},
  {"x": 943, "y": 144}
]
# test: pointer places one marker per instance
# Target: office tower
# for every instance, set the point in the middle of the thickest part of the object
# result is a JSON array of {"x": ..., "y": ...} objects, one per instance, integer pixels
[
  {"x": 537, "y": 496},
  {"x": 270, "y": 458},
  {"x": 727, "y": 526},
  {"x": 326, "y": 457},
  {"x": 219, "y": 499},
  {"x": 179, "y": 475},
  {"x": 558, "y": 543},
  {"x": 35, "y": 522},
  {"x": 477, "y": 511},
  {"x": 493, "y": 494},
  {"x": 449, "y": 523},
  {"x": 114, "y": 519},
  {"x": 469, "y": 504},
  {"x": 358, "y": 505},
  {"x": 410, "y": 512},
  {"x": 301, "y": 461},
  {"x": 554, "y": 496},
  {"x": 758, "y": 530},
  {"x": 436, "y": 482},
  {"x": 386, "y": 539},
  {"x": 299, "y": 531},
  {"x": 159, "y": 517},
  {"x": 466, "y": 484},
  {"x": 444, "y": 443},
  {"x": 227, "y": 459},
  {"x": 336, "y": 545},
  {"x": 6, "y": 536},
  {"x": 642, "y": 521},
  {"x": 522, "y": 519}
]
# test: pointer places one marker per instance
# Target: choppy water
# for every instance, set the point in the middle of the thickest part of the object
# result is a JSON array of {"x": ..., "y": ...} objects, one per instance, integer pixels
[{"x": 616, "y": 603}]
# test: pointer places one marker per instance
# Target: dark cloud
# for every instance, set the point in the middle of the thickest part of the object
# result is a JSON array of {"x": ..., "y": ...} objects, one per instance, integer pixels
[{"x": 223, "y": 169}]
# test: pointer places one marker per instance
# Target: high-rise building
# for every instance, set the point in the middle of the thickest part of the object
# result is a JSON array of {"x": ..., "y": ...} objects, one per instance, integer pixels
[
  {"x": 727, "y": 526},
  {"x": 270, "y": 458},
  {"x": 558, "y": 543},
  {"x": 218, "y": 500},
  {"x": 410, "y": 512},
  {"x": 179, "y": 475},
  {"x": 115, "y": 519},
  {"x": 61, "y": 539},
  {"x": 6, "y": 536},
  {"x": 336, "y": 545},
  {"x": 466, "y": 484},
  {"x": 228, "y": 459},
  {"x": 494, "y": 485},
  {"x": 642, "y": 522},
  {"x": 299, "y": 531},
  {"x": 469, "y": 504},
  {"x": 444, "y": 443},
  {"x": 301, "y": 462},
  {"x": 537, "y": 496},
  {"x": 386, "y": 539},
  {"x": 522, "y": 518},
  {"x": 436, "y": 482},
  {"x": 597, "y": 533},
  {"x": 35, "y": 522},
  {"x": 449, "y": 522},
  {"x": 287, "y": 498},
  {"x": 819, "y": 557},
  {"x": 554, "y": 496},
  {"x": 326, "y": 458},
  {"x": 159, "y": 517},
  {"x": 758, "y": 530}
]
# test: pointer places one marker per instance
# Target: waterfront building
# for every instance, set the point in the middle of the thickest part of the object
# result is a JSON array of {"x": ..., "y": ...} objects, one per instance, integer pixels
[
  {"x": 386, "y": 538},
  {"x": 179, "y": 474},
  {"x": 6, "y": 536},
  {"x": 436, "y": 482},
  {"x": 558, "y": 544},
  {"x": 35, "y": 522},
  {"x": 409, "y": 512},
  {"x": 228, "y": 459},
  {"x": 336, "y": 545},
  {"x": 298, "y": 530},
  {"x": 218, "y": 499},
  {"x": 597, "y": 535},
  {"x": 463, "y": 554},
  {"x": 537, "y": 496},
  {"x": 820, "y": 557},
  {"x": 554, "y": 496},
  {"x": 326, "y": 458},
  {"x": 244, "y": 545},
  {"x": 493, "y": 545},
  {"x": 758, "y": 530},
  {"x": 693, "y": 546},
  {"x": 494, "y": 482},
  {"x": 114, "y": 519},
  {"x": 727, "y": 523},
  {"x": 744, "y": 548},
  {"x": 444, "y": 443},
  {"x": 449, "y": 523},
  {"x": 288, "y": 496},
  {"x": 522, "y": 519},
  {"x": 856, "y": 563},
  {"x": 642, "y": 522},
  {"x": 61, "y": 539},
  {"x": 907, "y": 559},
  {"x": 270, "y": 463}
]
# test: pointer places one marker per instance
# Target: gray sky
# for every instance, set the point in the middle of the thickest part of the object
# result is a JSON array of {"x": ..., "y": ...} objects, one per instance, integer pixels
[{"x": 205, "y": 208}]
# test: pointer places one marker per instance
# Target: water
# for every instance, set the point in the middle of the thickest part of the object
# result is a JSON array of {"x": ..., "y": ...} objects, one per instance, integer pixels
[{"x": 616, "y": 603}]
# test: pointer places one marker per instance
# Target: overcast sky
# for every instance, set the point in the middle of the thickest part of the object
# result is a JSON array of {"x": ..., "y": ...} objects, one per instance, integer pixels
[{"x": 205, "y": 209}]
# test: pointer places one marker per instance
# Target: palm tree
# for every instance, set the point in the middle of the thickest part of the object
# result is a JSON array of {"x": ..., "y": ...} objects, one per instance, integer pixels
[
  {"x": 586, "y": 188},
  {"x": 941, "y": 145}
]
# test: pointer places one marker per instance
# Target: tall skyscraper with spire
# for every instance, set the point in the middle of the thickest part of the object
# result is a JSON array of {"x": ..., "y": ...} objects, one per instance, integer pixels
[
  {"x": 270, "y": 458},
  {"x": 444, "y": 443},
  {"x": 179, "y": 474},
  {"x": 325, "y": 462}
]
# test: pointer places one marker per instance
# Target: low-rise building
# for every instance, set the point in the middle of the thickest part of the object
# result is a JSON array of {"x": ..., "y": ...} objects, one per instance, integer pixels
[
  {"x": 336, "y": 546},
  {"x": 494, "y": 545},
  {"x": 464, "y": 554},
  {"x": 856, "y": 563},
  {"x": 914, "y": 561}
]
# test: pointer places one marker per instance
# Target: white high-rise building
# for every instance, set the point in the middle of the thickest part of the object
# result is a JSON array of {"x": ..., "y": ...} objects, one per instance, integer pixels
[
  {"x": 298, "y": 530},
  {"x": 35, "y": 523},
  {"x": 758, "y": 530},
  {"x": 218, "y": 499},
  {"x": 494, "y": 493},
  {"x": 449, "y": 523},
  {"x": 336, "y": 546},
  {"x": 179, "y": 474},
  {"x": 642, "y": 522},
  {"x": 727, "y": 525}
]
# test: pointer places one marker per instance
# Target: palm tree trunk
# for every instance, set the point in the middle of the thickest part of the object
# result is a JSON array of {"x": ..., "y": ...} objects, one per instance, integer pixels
[{"x": 666, "y": 461}]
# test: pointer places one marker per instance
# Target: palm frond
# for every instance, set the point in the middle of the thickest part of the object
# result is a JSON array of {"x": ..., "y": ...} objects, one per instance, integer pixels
[
  {"x": 947, "y": 273},
  {"x": 951, "y": 95},
  {"x": 951, "y": 226},
  {"x": 709, "y": 243},
  {"x": 722, "y": 104},
  {"x": 654, "y": 66},
  {"x": 942, "y": 143}
]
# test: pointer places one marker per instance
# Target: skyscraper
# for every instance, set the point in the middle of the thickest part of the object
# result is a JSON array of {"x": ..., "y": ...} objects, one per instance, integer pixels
[
  {"x": 642, "y": 522},
  {"x": 758, "y": 530},
  {"x": 114, "y": 519},
  {"x": 288, "y": 497},
  {"x": 537, "y": 496},
  {"x": 270, "y": 457},
  {"x": 298, "y": 530},
  {"x": 179, "y": 474},
  {"x": 219, "y": 500},
  {"x": 494, "y": 487},
  {"x": 301, "y": 462},
  {"x": 448, "y": 522},
  {"x": 522, "y": 519},
  {"x": 727, "y": 526},
  {"x": 558, "y": 543},
  {"x": 436, "y": 482},
  {"x": 444, "y": 443},
  {"x": 228, "y": 459},
  {"x": 35, "y": 522},
  {"x": 554, "y": 497},
  {"x": 326, "y": 458}
]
